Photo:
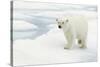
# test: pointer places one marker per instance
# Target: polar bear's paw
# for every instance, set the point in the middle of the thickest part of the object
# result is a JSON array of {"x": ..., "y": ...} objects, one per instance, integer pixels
[
  {"x": 82, "y": 46},
  {"x": 67, "y": 47}
]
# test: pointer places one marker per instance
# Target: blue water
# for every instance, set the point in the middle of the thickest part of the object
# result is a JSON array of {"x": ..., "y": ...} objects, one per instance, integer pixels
[{"x": 42, "y": 18}]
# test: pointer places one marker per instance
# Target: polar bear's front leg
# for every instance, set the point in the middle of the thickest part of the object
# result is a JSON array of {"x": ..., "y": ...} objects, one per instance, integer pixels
[{"x": 70, "y": 39}]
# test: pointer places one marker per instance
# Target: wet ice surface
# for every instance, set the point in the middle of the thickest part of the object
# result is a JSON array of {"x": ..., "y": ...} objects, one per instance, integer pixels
[
  {"x": 49, "y": 49},
  {"x": 38, "y": 40}
]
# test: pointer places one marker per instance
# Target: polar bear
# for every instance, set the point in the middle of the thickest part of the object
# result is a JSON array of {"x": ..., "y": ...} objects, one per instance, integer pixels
[{"x": 74, "y": 27}]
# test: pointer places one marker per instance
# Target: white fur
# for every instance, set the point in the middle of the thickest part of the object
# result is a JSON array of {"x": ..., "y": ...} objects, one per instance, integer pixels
[{"x": 74, "y": 27}]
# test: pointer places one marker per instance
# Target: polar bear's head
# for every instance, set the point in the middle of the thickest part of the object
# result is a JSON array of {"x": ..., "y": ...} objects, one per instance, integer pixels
[{"x": 62, "y": 22}]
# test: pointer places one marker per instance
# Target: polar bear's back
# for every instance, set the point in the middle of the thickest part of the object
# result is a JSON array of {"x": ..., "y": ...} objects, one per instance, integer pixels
[{"x": 79, "y": 23}]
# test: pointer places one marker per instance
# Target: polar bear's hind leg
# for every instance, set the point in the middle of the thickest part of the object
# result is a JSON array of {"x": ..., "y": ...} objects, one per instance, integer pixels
[
  {"x": 82, "y": 43},
  {"x": 79, "y": 41}
]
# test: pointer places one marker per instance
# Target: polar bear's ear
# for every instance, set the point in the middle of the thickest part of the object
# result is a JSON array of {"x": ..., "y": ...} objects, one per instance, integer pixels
[
  {"x": 56, "y": 19},
  {"x": 67, "y": 20}
]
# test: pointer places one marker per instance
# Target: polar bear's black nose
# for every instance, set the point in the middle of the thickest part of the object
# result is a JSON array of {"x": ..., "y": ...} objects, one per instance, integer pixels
[{"x": 59, "y": 26}]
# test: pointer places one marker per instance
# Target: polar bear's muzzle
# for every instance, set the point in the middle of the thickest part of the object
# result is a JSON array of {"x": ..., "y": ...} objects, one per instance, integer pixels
[{"x": 59, "y": 26}]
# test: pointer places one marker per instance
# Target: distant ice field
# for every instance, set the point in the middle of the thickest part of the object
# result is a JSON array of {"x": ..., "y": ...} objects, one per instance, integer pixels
[{"x": 32, "y": 19}]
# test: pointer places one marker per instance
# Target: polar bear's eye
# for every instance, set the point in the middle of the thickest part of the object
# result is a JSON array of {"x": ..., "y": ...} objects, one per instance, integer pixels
[
  {"x": 67, "y": 20},
  {"x": 62, "y": 22}
]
